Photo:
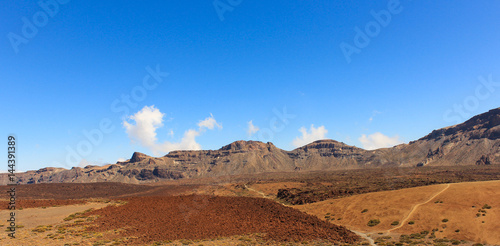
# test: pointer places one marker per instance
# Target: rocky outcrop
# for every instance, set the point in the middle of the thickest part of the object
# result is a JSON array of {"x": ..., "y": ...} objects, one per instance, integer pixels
[
  {"x": 137, "y": 157},
  {"x": 484, "y": 160}
]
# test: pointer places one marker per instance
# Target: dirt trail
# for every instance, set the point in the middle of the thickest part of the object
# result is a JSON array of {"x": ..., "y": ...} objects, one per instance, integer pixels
[
  {"x": 365, "y": 236},
  {"x": 414, "y": 208},
  {"x": 256, "y": 191}
]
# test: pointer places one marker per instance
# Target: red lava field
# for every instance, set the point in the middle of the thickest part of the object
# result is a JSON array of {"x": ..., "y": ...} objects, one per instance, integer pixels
[{"x": 153, "y": 218}]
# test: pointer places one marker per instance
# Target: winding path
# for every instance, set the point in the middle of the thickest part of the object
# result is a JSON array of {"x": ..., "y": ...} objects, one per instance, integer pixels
[{"x": 415, "y": 208}]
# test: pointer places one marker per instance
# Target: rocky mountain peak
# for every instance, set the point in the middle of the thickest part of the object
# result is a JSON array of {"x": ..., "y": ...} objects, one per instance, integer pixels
[
  {"x": 137, "y": 157},
  {"x": 485, "y": 125},
  {"x": 242, "y": 145}
]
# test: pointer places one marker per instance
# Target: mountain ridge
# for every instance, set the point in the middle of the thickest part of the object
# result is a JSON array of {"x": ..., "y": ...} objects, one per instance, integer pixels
[{"x": 474, "y": 142}]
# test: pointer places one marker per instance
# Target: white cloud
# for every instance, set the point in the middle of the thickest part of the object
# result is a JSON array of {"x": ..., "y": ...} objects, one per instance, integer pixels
[
  {"x": 209, "y": 123},
  {"x": 252, "y": 129},
  {"x": 121, "y": 159},
  {"x": 146, "y": 122},
  {"x": 143, "y": 131},
  {"x": 378, "y": 140},
  {"x": 315, "y": 134}
]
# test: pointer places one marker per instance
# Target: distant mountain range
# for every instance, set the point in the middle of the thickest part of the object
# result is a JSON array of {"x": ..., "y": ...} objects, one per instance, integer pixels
[{"x": 474, "y": 142}]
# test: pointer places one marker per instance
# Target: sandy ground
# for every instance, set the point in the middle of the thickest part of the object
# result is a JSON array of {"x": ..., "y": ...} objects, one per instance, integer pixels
[
  {"x": 427, "y": 207},
  {"x": 30, "y": 218}
]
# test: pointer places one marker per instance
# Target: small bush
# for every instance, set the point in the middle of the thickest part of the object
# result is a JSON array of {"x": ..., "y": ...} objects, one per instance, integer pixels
[
  {"x": 395, "y": 223},
  {"x": 486, "y": 206},
  {"x": 444, "y": 220},
  {"x": 457, "y": 230},
  {"x": 364, "y": 210},
  {"x": 411, "y": 222},
  {"x": 373, "y": 222}
]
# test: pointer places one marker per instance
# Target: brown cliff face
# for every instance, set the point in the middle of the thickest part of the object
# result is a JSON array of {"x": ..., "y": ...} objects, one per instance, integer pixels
[{"x": 476, "y": 141}]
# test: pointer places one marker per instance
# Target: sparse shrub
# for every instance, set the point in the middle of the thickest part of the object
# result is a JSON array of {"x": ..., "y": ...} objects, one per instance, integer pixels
[
  {"x": 457, "y": 230},
  {"x": 411, "y": 222},
  {"x": 364, "y": 210},
  {"x": 373, "y": 222},
  {"x": 404, "y": 239},
  {"x": 395, "y": 223},
  {"x": 417, "y": 236},
  {"x": 486, "y": 206},
  {"x": 444, "y": 220},
  {"x": 477, "y": 244},
  {"x": 246, "y": 239}
]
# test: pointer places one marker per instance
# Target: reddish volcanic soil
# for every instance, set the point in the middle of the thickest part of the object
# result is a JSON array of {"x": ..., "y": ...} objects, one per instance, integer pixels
[
  {"x": 93, "y": 190},
  {"x": 158, "y": 218},
  {"x": 74, "y": 190},
  {"x": 40, "y": 203}
]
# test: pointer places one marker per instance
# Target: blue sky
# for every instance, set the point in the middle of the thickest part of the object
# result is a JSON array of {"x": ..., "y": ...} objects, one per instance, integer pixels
[{"x": 67, "y": 67}]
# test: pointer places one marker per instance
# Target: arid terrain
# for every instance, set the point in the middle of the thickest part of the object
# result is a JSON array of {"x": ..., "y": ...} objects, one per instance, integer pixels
[{"x": 248, "y": 210}]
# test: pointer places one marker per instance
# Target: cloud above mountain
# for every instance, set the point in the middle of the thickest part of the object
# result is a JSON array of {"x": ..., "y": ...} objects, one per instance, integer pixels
[
  {"x": 378, "y": 140},
  {"x": 142, "y": 127},
  {"x": 309, "y": 136},
  {"x": 252, "y": 129}
]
